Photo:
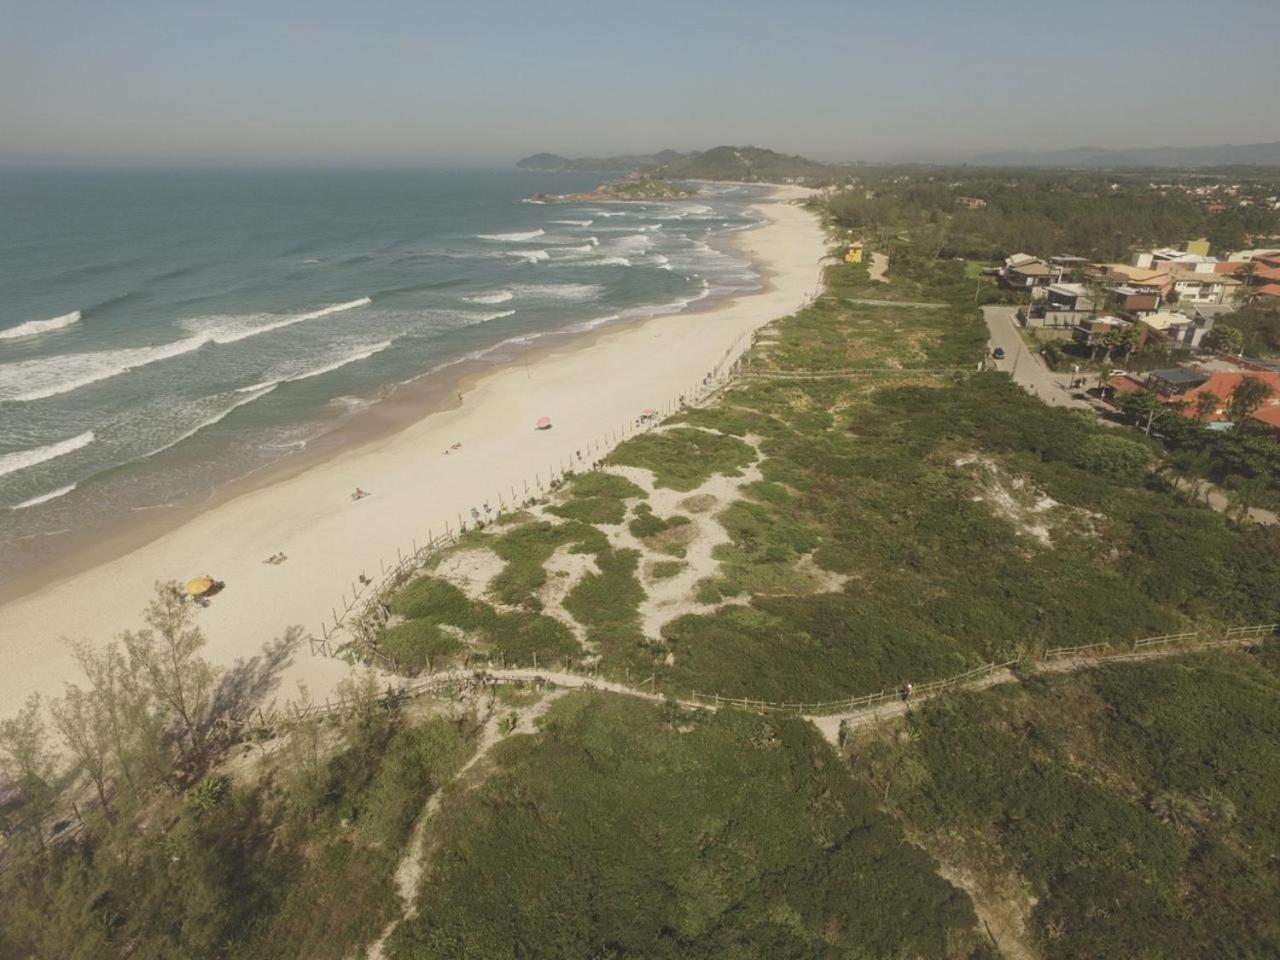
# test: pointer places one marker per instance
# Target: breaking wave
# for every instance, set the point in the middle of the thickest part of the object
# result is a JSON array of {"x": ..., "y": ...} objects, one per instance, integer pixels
[
  {"x": 50, "y": 376},
  {"x": 530, "y": 256},
  {"x": 21, "y": 459},
  {"x": 501, "y": 296},
  {"x": 574, "y": 223},
  {"x": 512, "y": 237},
  {"x": 575, "y": 292},
  {"x": 44, "y": 497},
  {"x": 33, "y": 327},
  {"x": 364, "y": 353},
  {"x": 607, "y": 262}
]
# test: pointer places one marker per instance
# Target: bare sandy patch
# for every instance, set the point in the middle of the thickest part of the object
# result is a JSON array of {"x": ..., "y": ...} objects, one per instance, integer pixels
[
  {"x": 1033, "y": 512},
  {"x": 470, "y": 570},
  {"x": 565, "y": 571}
]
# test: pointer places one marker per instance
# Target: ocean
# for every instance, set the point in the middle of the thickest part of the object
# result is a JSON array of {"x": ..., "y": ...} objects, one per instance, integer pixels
[{"x": 164, "y": 333}]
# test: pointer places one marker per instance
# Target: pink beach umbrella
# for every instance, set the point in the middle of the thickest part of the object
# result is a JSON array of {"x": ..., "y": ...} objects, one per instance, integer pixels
[
  {"x": 544, "y": 423},
  {"x": 650, "y": 412}
]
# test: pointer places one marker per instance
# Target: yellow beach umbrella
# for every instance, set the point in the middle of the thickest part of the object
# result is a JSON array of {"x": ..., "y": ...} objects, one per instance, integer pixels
[{"x": 199, "y": 586}]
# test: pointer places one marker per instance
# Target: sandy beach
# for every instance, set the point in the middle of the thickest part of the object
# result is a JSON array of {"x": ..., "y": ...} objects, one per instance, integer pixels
[{"x": 589, "y": 388}]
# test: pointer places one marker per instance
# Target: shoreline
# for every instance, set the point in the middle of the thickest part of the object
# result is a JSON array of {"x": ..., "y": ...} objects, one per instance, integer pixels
[
  {"x": 404, "y": 404},
  {"x": 301, "y": 506}
]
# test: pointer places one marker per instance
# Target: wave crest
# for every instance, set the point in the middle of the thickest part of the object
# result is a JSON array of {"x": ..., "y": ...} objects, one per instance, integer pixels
[
  {"x": 33, "y": 328},
  {"x": 21, "y": 459},
  {"x": 512, "y": 237},
  {"x": 500, "y": 296}
]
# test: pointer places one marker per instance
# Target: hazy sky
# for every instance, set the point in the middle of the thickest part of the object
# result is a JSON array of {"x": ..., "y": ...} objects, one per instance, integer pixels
[{"x": 403, "y": 82}]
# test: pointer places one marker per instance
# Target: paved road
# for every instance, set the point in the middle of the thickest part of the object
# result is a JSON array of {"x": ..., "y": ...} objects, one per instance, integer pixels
[{"x": 1027, "y": 368}]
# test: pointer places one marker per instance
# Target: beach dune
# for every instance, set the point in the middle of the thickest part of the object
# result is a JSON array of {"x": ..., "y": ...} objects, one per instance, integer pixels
[{"x": 588, "y": 387}]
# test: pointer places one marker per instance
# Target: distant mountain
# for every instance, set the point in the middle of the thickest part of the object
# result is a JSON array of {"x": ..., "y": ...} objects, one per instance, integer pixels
[
  {"x": 623, "y": 164},
  {"x": 1220, "y": 155},
  {"x": 718, "y": 163},
  {"x": 742, "y": 163}
]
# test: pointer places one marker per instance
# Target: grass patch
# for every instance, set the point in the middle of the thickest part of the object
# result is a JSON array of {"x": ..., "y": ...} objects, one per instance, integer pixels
[
  {"x": 430, "y": 604},
  {"x": 597, "y": 497},
  {"x": 526, "y": 551},
  {"x": 607, "y": 604},
  {"x": 665, "y": 569},
  {"x": 648, "y": 525},
  {"x": 683, "y": 458}
]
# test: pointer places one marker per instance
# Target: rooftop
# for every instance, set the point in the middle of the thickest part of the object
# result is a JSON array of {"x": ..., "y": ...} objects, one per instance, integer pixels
[
  {"x": 1180, "y": 376},
  {"x": 1069, "y": 289},
  {"x": 1165, "y": 320}
]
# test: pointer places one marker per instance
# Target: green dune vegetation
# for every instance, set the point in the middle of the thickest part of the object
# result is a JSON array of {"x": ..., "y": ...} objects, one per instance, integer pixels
[
  {"x": 862, "y": 508},
  {"x": 624, "y": 829},
  {"x": 1126, "y": 811}
]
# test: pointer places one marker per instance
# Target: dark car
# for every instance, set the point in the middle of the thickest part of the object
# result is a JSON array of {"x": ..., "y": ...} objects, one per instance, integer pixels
[{"x": 998, "y": 353}]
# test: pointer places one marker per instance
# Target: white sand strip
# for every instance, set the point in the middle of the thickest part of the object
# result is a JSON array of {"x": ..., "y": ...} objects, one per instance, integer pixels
[{"x": 587, "y": 391}]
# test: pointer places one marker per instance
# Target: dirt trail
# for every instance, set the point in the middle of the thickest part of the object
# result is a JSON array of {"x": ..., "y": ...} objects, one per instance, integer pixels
[
  {"x": 410, "y": 869},
  {"x": 879, "y": 267}
]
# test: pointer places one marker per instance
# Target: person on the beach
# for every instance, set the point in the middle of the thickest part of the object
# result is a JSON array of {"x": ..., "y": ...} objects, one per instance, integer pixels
[
  {"x": 359, "y": 494},
  {"x": 907, "y": 691}
]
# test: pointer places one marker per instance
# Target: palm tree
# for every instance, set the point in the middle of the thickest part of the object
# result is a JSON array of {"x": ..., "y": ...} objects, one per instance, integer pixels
[{"x": 1173, "y": 808}]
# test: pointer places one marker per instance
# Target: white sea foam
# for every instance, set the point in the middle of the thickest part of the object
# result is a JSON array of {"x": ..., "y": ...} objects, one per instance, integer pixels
[
  {"x": 472, "y": 319},
  {"x": 50, "y": 376},
  {"x": 34, "y": 327},
  {"x": 634, "y": 243},
  {"x": 21, "y": 459},
  {"x": 607, "y": 262},
  {"x": 574, "y": 223},
  {"x": 530, "y": 256},
  {"x": 210, "y": 421},
  {"x": 363, "y": 353},
  {"x": 512, "y": 237},
  {"x": 501, "y": 296},
  {"x": 233, "y": 329},
  {"x": 574, "y": 292},
  {"x": 44, "y": 498}
]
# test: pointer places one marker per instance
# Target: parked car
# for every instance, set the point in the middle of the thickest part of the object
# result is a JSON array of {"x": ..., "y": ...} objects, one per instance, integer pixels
[{"x": 998, "y": 353}]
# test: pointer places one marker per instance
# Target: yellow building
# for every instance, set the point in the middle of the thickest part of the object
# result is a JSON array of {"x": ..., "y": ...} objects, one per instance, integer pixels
[
  {"x": 1199, "y": 248},
  {"x": 854, "y": 255}
]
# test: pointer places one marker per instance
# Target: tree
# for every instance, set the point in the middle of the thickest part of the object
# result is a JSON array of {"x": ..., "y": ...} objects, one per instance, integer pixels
[
  {"x": 133, "y": 728},
  {"x": 167, "y": 653},
  {"x": 1144, "y": 406},
  {"x": 28, "y": 762},
  {"x": 1247, "y": 398},
  {"x": 1225, "y": 339},
  {"x": 1207, "y": 404},
  {"x": 80, "y": 717},
  {"x": 1120, "y": 459}
]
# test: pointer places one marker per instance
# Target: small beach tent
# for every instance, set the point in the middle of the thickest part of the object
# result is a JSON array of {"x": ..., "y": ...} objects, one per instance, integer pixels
[
  {"x": 544, "y": 423},
  {"x": 199, "y": 586}
]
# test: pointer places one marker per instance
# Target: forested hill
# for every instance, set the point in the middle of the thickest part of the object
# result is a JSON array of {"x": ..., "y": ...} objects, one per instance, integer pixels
[
  {"x": 718, "y": 163},
  {"x": 554, "y": 162},
  {"x": 744, "y": 163}
]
